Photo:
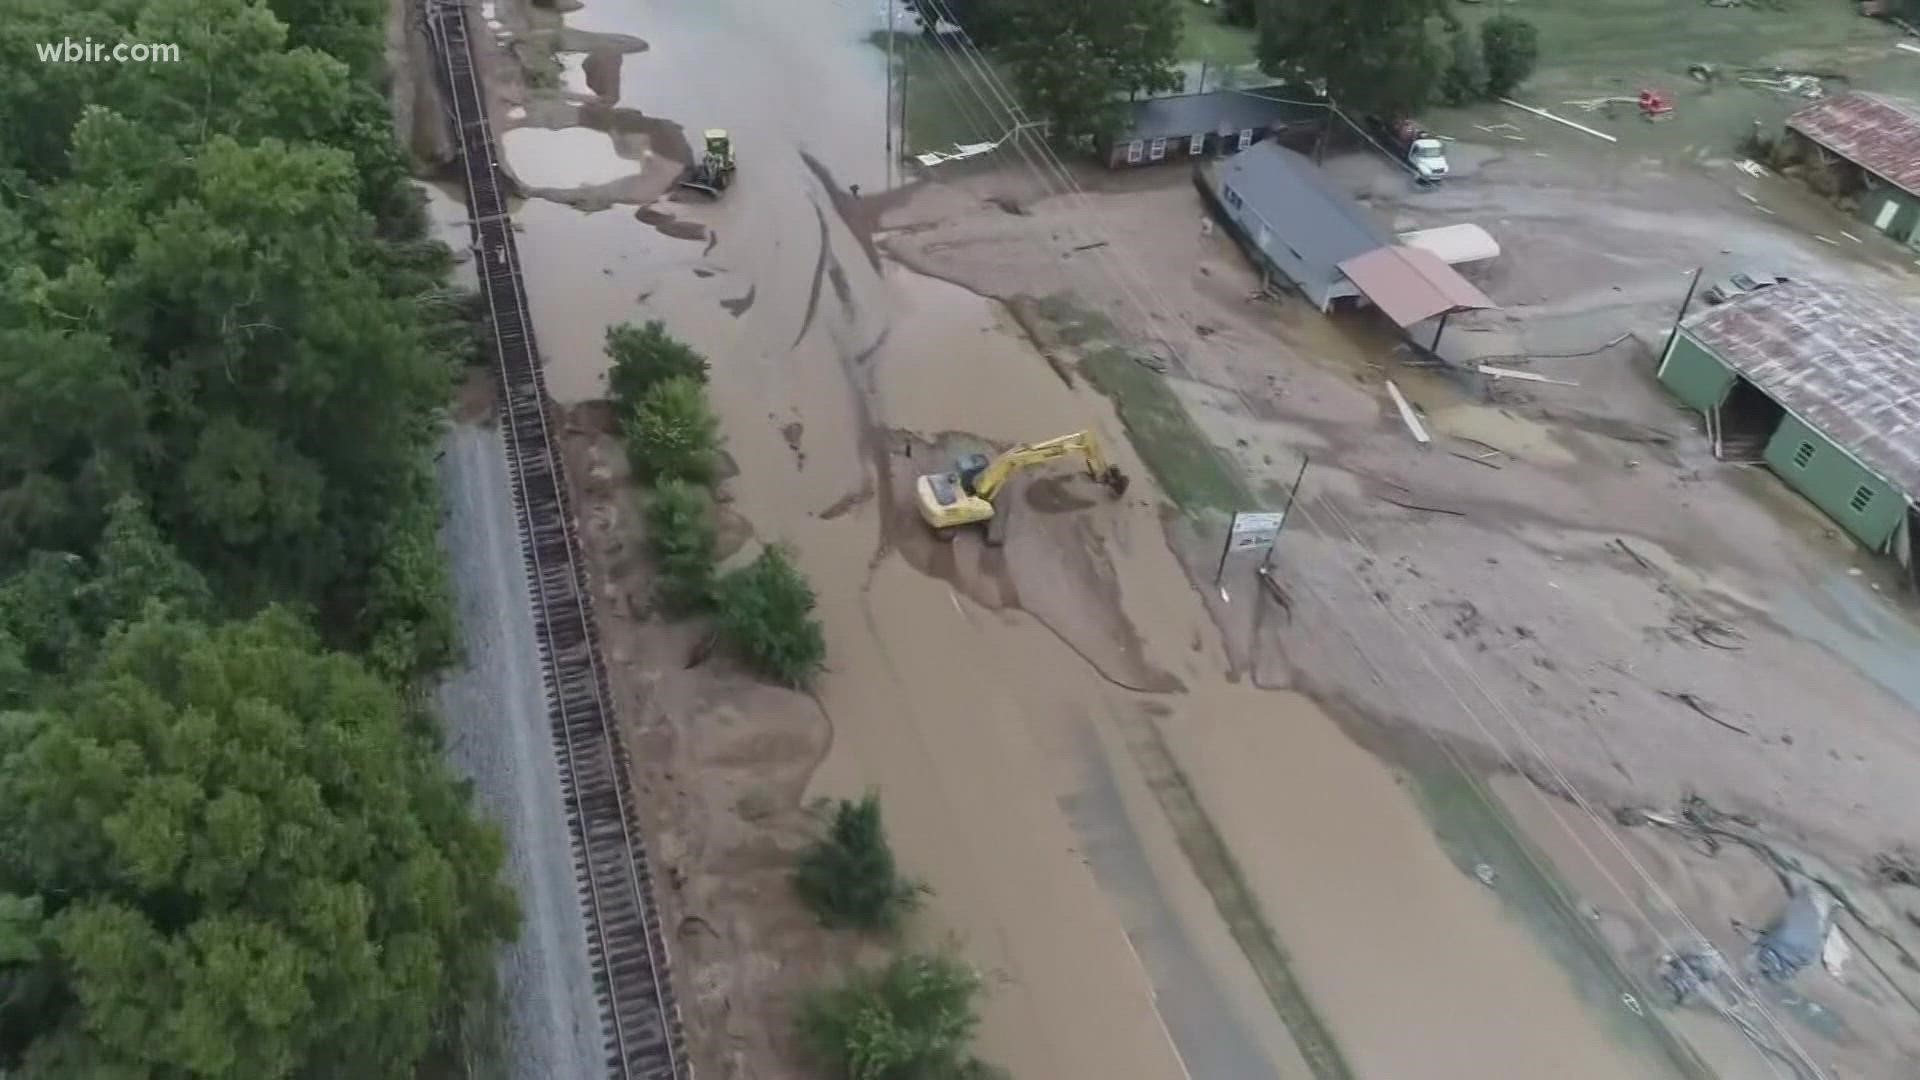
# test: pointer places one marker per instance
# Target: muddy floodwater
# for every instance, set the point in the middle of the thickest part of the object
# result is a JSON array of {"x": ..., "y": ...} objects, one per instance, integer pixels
[{"x": 1062, "y": 753}]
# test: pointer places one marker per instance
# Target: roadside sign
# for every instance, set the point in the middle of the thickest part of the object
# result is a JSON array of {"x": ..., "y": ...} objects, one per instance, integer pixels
[{"x": 1254, "y": 531}]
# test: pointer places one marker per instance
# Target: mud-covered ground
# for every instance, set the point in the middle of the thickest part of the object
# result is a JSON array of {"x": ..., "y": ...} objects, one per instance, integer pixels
[
  {"x": 1599, "y": 605},
  {"x": 1110, "y": 777}
]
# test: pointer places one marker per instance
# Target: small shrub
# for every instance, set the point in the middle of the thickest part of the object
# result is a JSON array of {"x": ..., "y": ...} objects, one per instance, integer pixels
[
  {"x": 1510, "y": 46},
  {"x": 913, "y": 1019},
  {"x": 1465, "y": 79},
  {"x": 672, "y": 433},
  {"x": 765, "y": 613},
  {"x": 681, "y": 538},
  {"x": 645, "y": 356},
  {"x": 848, "y": 877}
]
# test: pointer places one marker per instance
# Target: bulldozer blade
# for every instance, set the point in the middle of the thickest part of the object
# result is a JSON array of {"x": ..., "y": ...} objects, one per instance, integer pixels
[{"x": 708, "y": 189}]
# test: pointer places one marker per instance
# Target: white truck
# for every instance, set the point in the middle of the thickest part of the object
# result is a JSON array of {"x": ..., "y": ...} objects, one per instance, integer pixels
[{"x": 1422, "y": 151}]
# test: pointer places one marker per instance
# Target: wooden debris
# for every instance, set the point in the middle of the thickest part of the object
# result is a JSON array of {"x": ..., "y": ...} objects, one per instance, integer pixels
[
  {"x": 1907, "y": 47},
  {"x": 1558, "y": 120},
  {"x": 1481, "y": 460},
  {"x": 1824, "y": 240},
  {"x": 1636, "y": 556},
  {"x": 1529, "y": 376},
  {"x": 1419, "y": 506},
  {"x": 1851, "y": 237},
  {"x": 1090, "y": 247},
  {"x": 1407, "y": 415}
]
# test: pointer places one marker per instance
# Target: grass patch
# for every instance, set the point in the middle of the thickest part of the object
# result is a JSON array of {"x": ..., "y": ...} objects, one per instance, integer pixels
[
  {"x": 1473, "y": 830},
  {"x": 1171, "y": 444},
  {"x": 1205, "y": 38},
  {"x": 944, "y": 105}
]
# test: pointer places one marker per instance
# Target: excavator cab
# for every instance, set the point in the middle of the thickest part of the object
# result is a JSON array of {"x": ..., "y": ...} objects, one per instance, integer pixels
[{"x": 715, "y": 171}]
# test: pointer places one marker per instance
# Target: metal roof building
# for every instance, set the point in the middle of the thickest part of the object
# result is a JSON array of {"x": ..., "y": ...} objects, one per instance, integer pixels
[
  {"x": 1868, "y": 145},
  {"x": 1824, "y": 381},
  {"x": 1290, "y": 212},
  {"x": 1184, "y": 126}
]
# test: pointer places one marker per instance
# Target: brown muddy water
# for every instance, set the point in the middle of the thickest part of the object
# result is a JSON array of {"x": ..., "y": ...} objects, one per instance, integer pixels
[
  {"x": 564, "y": 157},
  {"x": 1021, "y": 777}
]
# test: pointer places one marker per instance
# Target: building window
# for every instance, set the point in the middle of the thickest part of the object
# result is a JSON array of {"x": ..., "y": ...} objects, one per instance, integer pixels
[
  {"x": 1803, "y": 454},
  {"x": 1862, "y": 498},
  {"x": 1158, "y": 150},
  {"x": 1246, "y": 138},
  {"x": 1195, "y": 145},
  {"x": 1133, "y": 152},
  {"x": 1233, "y": 197}
]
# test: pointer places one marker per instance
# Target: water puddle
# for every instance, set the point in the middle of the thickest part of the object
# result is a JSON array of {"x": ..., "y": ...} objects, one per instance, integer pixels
[
  {"x": 1853, "y": 622},
  {"x": 447, "y": 218},
  {"x": 572, "y": 157},
  {"x": 573, "y": 72}
]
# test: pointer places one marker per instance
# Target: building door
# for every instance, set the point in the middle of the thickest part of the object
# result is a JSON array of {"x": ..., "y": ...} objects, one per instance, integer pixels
[{"x": 1888, "y": 211}]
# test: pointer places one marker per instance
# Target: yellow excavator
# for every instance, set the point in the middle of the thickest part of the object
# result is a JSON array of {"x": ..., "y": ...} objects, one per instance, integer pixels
[
  {"x": 714, "y": 171},
  {"x": 965, "y": 496}
]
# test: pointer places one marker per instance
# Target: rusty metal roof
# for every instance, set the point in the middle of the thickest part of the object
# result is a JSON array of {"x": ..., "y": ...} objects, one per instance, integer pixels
[
  {"x": 1877, "y": 132},
  {"x": 1845, "y": 360},
  {"x": 1413, "y": 284}
]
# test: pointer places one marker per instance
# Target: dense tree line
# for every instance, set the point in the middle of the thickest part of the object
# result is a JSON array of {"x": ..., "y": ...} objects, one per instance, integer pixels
[
  {"x": 225, "y": 339},
  {"x": 1393, "y": 57}
]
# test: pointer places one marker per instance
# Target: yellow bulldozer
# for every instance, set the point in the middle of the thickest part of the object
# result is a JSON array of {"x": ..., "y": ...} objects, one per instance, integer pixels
[
  {"x": 965, "y": 496},
  {"x": 715, "y": 170}
]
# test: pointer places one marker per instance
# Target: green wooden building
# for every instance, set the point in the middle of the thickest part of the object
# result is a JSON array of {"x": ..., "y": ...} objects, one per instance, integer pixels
[
  {"x": 1866, "y": 149},
  {"x": 1822, "y": 383}
]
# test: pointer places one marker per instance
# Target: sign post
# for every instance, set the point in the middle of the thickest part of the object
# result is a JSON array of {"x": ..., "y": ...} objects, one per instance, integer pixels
[
  {"x": 1246, "y": 532},
  {"x": 1292, "y": 494}
]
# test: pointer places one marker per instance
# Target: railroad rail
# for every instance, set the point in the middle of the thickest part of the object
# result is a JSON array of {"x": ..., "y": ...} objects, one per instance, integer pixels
[{"x": 632, "y": 975}]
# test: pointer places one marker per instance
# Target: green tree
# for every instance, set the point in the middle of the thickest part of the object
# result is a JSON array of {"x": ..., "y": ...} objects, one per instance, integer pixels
[
  {"x": 764, "y": 612},
  {"x": 682, "y": 539},
  {"x": 1374, "y": 56},
  {"x": 226, "y": 851},
  {"x": 1240, "y": 12},
  {"x": 644, "y": 356},
  {"x": 672, "y": 433},
  {"x": 1075, "y": 61},
  {"x": 849, "y": 878},
  {"x": 1511, "y": 46},
  {"x": 913, "y": 1019},
  {"x": 1465, "y": 79}
]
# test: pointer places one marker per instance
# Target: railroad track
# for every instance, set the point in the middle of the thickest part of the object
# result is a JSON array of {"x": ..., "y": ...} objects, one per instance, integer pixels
[{"x": 632, "y": 976}]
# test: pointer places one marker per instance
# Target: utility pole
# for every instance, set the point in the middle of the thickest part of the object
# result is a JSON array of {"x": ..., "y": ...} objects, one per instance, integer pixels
[
  {"x": 1678, "y": 319},
  {"x": 893, "y": 6}
]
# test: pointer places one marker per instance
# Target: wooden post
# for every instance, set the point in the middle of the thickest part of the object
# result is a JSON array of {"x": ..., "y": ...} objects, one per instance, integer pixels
[
  {"x": 1441, "y": 329},
  {"x": 1674, "y": 332}
]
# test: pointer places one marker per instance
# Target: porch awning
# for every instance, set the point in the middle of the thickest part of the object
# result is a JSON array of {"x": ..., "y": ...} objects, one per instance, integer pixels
[{"x": 1412, "y": 285}]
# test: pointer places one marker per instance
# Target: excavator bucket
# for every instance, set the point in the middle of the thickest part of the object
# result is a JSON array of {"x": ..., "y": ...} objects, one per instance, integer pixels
[{"x": 1115, "y": 480}]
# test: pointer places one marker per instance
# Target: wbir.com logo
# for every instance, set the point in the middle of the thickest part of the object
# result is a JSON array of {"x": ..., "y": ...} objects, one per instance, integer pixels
[{"x": 88, "y": 51}]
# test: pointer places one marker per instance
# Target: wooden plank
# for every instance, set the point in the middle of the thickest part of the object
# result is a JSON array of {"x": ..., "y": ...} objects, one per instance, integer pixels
[
  {"x": 1529, "y": 376},
  {"x": 1407, "y": 415},
  {"x": 1559, "y": 120}
]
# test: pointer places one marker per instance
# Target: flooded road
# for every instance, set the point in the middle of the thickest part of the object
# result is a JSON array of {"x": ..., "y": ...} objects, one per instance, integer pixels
[{"x": 1054, "y": 805}]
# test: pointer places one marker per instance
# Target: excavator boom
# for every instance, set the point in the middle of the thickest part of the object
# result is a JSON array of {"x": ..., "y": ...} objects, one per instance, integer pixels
[{"x": 966, "y": 495}]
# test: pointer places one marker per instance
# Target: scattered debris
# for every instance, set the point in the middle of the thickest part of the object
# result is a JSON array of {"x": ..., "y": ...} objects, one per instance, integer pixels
[
  {"x": 1407, "y": 415},
  {"x": 1558, "y": 120},
  {"x": 1825, "y": 240},
  {"x": 1801, "y": 85},
  {"x": 1485, "y": 873},
  {"x": 1593, "y": 104},
  {"x": 1090, "y": 247},
  {"x": 1796, "y": 937},
  {"x": 1481, "y": 460},
  {"x": 1836, "y": 952},
  {"x": 1407, "y": 504},
  {"x": 1851, "y": 237},
  {"x": 1529, "y": 376},
  {"x": 1692, "y": 701},
  {"x": 1907, "y": 47},
  {"x": 1751, "y": 168}
]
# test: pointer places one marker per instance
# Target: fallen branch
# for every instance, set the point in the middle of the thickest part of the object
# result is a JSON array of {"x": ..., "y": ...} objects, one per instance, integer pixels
[
  {"x": 1417, "y": 506},
  {"x": 1693, "y": 702},
  {"x": 1090, "y": 247},
  {"x": 1636, "y": 557},
  {"x": 1559, "y": 120}
]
